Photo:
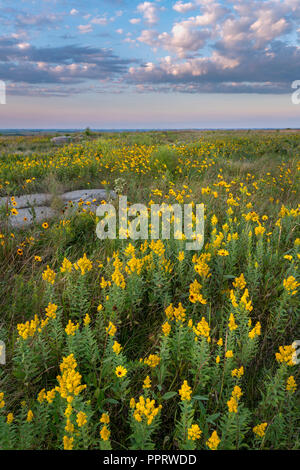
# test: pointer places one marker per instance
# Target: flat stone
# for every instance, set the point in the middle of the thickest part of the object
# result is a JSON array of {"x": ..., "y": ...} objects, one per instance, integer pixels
[
  {"x": 42, "y": 213},
  {"x": 62, "y": 139},
  {"x": 28, "y": 200},
  {"x": 29, "y": 204},
  {"x": 88, "y": 195}
]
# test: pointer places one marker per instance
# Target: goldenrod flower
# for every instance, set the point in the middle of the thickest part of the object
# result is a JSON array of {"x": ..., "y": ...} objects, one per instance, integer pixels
[
  {"x": 166, "y": 328},
  {"x": 229, "y": 354},
  {"x": 71, "y": 328},
  {"x": 260, "y": 429},
  {"x": 237, "y": 372},
  {"x": 194, "y": 432},
  {"x": 49, "y": 275},
  {"x": 104, "y": 418},
  {"x": 68, "y": 443},
  {"x": 111, "y": 329},
  {"x": 29, "y": 416},
  {"x": 105, "y": 433},
  {"x": 51, "y": 310},
  {"x": 147, "y": 382},
  {"x": 66, "y": 266},
  {"x": 232, "y": 325},
  {"x": 239, "y": 282},
  {"x": 232, "y": 405},
  {"x": 81, "y": 419},
  {"x": 185, "y": 391},
  {"x": 286, "y": 354},
  {"x": 152, "y": 360},
  {"x": 9, "y": 418},
  {"x": 290, "y": 284},
  {"x": 117, "y": 348},
  {"x": 214, "y": 441},
  {"x": 2, "y": 402},
  {"x": 145, "y": 409},
  {"x": 291, "y": 385},
  {"x": 83, "y": 264}
]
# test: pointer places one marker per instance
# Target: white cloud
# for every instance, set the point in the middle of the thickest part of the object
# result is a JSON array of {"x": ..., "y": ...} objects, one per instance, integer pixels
[
  {"x": 101, "y": 20},
  {"x": 149, "y": 11},
  {"x": 181, "y": 7},
  {"x": 85, "y": 28},
  {"x": 135, "y": 20},
  {"x": 74, "y": 11}
]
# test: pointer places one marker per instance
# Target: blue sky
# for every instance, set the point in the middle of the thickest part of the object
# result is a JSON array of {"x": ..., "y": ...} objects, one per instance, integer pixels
[{"x": 152, "y": 64}]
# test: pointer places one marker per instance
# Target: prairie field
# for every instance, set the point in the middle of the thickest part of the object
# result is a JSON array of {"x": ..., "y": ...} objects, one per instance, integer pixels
[{"x": 143, "y": 344}]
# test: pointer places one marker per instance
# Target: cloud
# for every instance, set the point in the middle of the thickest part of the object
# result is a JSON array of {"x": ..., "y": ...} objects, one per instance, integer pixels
[
  {"x": 268, "y": 71},
  {"x": 135, "y": 20},
  {"x": 70, "y": 65},
  {"x": 74, "y": 11},
  {"x": 85, "y": 28},
  {"x": 149, "y": 11},
  {"x": 181, "y": 7}
]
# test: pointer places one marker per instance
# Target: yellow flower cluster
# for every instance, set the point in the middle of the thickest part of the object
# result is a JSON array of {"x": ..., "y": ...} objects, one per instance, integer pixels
[
  {"x": 68, "y": 442},
  {"x": 239, "y": 282},
  {"x": 152, "y": 360},
  {"x": 2, "y": 402},
  {"x": 291, "y": 385},
  {"x": 260, "y": 429},
  {"x": 117, "y": 276},
  {"x": 69, "y": 380},
  {"x": 256, "y": 331},
  {"x": 144, "y": 409},
  {"x": 117, "y": 348},
  {"x": 28, "y": 328},
  {"x": 185, "y": 391},
  {"x": 81, "y": 419},
  {"x": 71, "y": 328},
  {"x": 233, "y": 402},
  {"x": 232, "y": 325},
  {"x": 214, "y": 441},
  {"x": 83, "y": 264},
  {"x": 285, "y": 355},
  {"x": 111, "y": 329},
  {"x": 49, "y": 275},
  {"x": 66, "y": 266},
  {"x": 290, "y": 284},
  {"x": 51, "y": 310},
  {"x": 194, "y": 432},
  {"x": 166, "y": 328},
  {"x": 105, "y": 433},
  {"x": 238, "y": 372},
  {"x": 195, "y": 295},
  {"x": 202, "y": 329}
]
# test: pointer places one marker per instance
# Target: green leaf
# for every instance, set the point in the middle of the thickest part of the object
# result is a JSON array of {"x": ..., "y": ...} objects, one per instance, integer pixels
[{"x": 169, "y": 395}]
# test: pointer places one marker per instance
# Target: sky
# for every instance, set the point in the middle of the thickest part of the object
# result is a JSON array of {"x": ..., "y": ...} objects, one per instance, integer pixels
[{"x": 130, "y": 64}]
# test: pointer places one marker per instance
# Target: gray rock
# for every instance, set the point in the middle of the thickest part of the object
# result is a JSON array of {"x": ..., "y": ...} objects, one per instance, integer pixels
[
  {"x": 31, "y": 204},
  {"x": 42, "y": 213},
  {"x": 62, "y": 139},
  {"x": 39, "y": 199},
  {"x": 88, "y": 195}
]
